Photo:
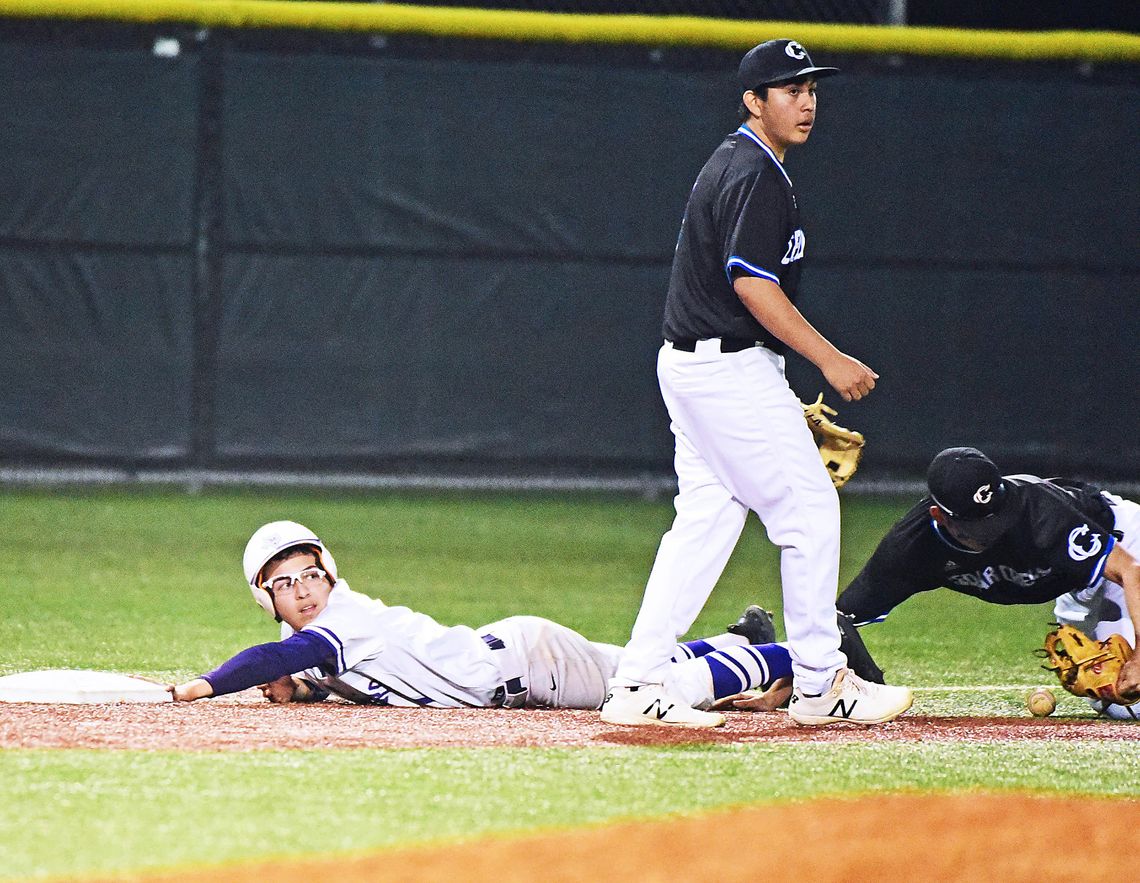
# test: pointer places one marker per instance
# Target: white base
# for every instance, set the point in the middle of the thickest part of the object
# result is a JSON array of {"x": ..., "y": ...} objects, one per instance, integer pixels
[{"x": 79, "y": 687}]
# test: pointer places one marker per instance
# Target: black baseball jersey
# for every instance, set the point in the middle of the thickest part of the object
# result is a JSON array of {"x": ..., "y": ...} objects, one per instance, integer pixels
[
  {"x": 1058, "y": 543},
  {"x": 741, "y": 219}
]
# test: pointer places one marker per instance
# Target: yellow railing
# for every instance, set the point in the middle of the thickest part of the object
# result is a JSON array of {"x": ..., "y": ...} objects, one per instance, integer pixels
[{"x": 653, "y": 30}]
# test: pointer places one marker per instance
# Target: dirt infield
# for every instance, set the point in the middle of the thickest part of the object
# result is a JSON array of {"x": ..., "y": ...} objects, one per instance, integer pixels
[
  {"x": 248, "y": 722},
  {"x": 899, "y": 837}
]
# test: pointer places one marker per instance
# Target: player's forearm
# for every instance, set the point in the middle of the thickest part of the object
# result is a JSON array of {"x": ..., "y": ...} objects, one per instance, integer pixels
[
  {"x": 1131, "y": 585},
  {"x": 191, "y": 690},
  {"x": 767, "y": 302},
  {"x": 266, "y": 663},
  {"x": 769, "y": 305},
  {"x": 861, "y": 601},
  {"x": 1124, "y": 570}
]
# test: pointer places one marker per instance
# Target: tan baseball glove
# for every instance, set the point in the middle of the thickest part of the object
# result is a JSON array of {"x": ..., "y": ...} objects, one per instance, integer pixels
[
  {"x": 840, "y": 448},
  {"x": 1085, "y": 666}
]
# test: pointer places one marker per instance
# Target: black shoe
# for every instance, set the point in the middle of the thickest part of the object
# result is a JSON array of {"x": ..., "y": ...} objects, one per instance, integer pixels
[
  {"x": 858, "y": 656},
  {"x": 756, "y": 625}
]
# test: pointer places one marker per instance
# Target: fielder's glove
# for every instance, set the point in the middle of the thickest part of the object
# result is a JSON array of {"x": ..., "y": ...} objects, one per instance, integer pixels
[
  {"x": 840, "y": 448},
  {"x": 1087, "y": 667}
]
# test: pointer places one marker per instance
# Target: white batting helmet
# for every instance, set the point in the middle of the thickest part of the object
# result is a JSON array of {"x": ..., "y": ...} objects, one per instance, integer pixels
[{"x": 271, "y": 539}]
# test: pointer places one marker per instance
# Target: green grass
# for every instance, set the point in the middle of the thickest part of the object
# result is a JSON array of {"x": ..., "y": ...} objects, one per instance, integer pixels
[
  {"x": 372, "y": 799},
  {"x": 151, "y": 583}
]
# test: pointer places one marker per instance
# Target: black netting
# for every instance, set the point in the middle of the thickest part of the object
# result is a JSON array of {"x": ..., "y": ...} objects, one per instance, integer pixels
[{"x": 460, "y": 248}]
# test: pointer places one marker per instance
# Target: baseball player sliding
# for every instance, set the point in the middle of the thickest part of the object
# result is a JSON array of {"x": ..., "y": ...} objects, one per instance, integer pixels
[
  {"x": 741, "y": 440},
  {"x": 339, "y": 641},
  {"x": 1015, "y": 539}
]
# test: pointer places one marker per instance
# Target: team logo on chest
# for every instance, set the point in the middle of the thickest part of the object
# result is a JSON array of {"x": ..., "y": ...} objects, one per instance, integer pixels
[
  {"x": 1083, "y": 543},
  {"x": 795, "y": 248}
]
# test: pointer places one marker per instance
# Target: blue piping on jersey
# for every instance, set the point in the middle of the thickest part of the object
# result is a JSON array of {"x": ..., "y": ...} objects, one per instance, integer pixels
[
  {"x": 748, "y": 133},
  {"x": 332, "y": 640},
  {"x": 873, "y": 620},
  {"x": 734, "y": 261},
  {"x": 1098, "y": 571}
]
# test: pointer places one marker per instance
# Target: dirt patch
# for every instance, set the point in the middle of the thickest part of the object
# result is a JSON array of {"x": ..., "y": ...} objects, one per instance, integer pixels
[
  {"x": 248, "y": 722},
  {"x": 898, "y": 837}
]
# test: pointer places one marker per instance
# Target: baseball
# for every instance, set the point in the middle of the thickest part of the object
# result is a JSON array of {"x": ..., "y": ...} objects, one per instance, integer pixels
[{"x": 1041, "y": 702}]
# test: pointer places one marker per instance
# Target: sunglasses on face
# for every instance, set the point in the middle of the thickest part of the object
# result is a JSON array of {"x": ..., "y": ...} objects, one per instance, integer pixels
[{"x": 308, "y": 578}]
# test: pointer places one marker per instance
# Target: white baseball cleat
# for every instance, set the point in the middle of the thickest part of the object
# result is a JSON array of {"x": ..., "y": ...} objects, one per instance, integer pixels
[
  {"x": 850, "y": 700},
  {"x": 648, "y": 705}
]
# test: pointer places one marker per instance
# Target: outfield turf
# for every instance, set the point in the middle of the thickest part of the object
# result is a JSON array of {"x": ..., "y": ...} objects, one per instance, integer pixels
[{"x": 150, "y": 583}]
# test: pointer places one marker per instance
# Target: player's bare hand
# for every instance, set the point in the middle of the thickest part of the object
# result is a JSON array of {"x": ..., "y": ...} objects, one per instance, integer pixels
[
  {"x": 849, "y": 377},
  {"x": 280, "y": 691},
  {"x": 199, "y": 688},
  {"x": 1128, "y": 681},
  {"x": 770, "y": 700}
]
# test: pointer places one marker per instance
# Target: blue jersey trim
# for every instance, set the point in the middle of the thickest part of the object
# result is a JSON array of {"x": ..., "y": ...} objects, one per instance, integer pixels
[
  {"x": 734, "y": 261},
  {"x": 1098, "y": 571},
  {"x": 748, "y": 133}
]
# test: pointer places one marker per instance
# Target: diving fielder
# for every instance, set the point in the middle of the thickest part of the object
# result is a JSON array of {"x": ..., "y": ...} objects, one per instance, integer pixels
[
  {"x": 1014, "y": 539},
  {"x": 338, "y": 641}
]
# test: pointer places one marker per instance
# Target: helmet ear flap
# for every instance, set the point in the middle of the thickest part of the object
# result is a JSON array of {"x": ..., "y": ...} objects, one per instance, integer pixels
[
  {"x": 327, "y": 562},
  {"x": 265, "y": 600}
]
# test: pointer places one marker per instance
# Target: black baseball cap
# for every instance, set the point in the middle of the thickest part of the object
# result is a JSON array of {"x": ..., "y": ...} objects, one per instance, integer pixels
[
  {"x": 966, "y": 485},
  {"x": 777, "y": 61}
]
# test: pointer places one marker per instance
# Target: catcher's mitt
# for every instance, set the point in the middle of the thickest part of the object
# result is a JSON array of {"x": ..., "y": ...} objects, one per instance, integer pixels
[
  {"x": 1085, "y": 666},
  {"x": 840, "y": 448}
]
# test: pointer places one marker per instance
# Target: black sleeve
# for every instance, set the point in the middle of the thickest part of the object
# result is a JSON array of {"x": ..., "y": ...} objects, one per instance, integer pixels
[
  {"x": 890, "y": 577},
  {"x": 870, "y": 600},
  {"x": 758, "y": 238}
]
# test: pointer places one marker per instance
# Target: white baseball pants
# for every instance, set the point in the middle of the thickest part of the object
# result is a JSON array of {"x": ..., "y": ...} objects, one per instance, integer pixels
[
  {"x": 1101, "y": 609},
  {"x": 562, "y": 669},
  {"x": 741, "y": 444}
]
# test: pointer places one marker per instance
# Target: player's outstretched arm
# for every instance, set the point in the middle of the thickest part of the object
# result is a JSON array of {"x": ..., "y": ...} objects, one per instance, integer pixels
[
  {"x": 1122, "y": 568},
  {"x": 262, "y": 664},
  {"x": 199, "y": 688}
]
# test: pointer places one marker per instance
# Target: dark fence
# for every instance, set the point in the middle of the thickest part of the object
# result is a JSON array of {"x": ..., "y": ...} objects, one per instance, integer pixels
[{"x": 290, "y": 250}]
